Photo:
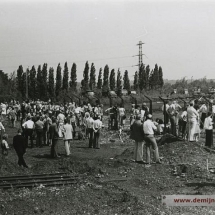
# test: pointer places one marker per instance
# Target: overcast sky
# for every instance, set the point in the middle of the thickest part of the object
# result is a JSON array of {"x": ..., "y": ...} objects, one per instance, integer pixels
[{"x": 179, "y": 35}]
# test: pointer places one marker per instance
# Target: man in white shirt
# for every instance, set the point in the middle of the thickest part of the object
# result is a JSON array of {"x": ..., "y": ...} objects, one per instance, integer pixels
[
  {"x": 121, "y": 111},
  {"x": 149, "y": 127},
  {"x": 89, "y": 127},
  {"x": 29, "y": 129},
  {"x": 97, "y": 125}
]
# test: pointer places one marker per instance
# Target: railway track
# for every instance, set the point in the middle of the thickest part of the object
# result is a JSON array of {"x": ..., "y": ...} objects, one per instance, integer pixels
[{"x": 30, "y": 181}]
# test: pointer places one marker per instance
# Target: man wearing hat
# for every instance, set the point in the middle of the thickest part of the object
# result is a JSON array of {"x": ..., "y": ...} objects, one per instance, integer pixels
[{"x": 149, "y": 128}]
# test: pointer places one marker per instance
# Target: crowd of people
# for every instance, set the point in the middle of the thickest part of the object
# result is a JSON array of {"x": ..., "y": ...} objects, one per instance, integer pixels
[
  {"x": 47, "y": 123},
  {"x": 43, "y": 124},
  {"x": 189, "y": 121}
]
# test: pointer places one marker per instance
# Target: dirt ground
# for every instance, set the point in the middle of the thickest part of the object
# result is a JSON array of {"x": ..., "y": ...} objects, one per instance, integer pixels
[{"x": 109, "y": 182}]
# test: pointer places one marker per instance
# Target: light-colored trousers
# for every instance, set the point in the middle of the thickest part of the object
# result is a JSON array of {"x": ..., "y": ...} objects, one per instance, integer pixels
[
  {"x": 151, "y": 143},
  {"x": 192, "y": 127},
  {"x": 138, "y": 151},
  {"x": 67, "y": 146}
]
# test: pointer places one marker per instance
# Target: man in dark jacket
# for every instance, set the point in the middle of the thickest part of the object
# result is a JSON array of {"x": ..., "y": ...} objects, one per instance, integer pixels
[
  {"x": 53, "y": 131},
  {"x": 20, "y": 144},
  {"x": 137, "y": 134}
]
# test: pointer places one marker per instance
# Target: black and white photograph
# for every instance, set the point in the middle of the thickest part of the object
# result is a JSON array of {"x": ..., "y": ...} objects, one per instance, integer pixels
[{"x": 107, "y": 107}]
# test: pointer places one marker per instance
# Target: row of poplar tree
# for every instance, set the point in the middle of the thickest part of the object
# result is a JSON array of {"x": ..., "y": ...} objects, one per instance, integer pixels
[{"x": 42, "y": 82}]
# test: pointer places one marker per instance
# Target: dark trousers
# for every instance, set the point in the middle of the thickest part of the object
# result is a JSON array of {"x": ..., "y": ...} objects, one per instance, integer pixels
[
  {"x": 54, "y": 146},
  {"x": 183, "y": 127},
  {"x": 202, "y": 120},
  {"x": 29, "y": 133},
  {"x": 39, "y": 140},
  {"x": 74, "y": 129},
  {"x": 21, "y": 161},
  {"x": 209, "y": 138},
  {"x": 96, "y": 143},
  {"x": 90, "y": 133},
  {"x": 167, "y": 117},
  {"x": 173, "y": 125}
]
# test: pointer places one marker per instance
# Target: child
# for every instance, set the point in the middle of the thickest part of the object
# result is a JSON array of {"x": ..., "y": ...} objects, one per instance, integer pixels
[{"x": 4, "y": 145}]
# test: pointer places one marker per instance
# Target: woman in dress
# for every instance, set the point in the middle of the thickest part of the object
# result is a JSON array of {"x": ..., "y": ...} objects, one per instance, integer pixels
[{"x": 67, "y": 133}]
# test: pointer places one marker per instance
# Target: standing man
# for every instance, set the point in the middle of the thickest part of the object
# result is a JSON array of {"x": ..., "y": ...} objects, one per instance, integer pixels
[
  {"x": 172, "y": 116},
  {"x": 137, "y": 134},
  {"x": 166, "y": 115},
  {"x": 203, "y": 110},
  {"x": 89, "y": 128},
  {"x": 29, "y": 129},
  {"x": 97, "y": 125},
  {"x": 149, "y": 128},
  {"x": 39, "y": 131},
  {"x": 20, "y": 144}
]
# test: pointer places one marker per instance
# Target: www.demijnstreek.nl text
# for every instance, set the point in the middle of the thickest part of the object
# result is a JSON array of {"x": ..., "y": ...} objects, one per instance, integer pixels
[{"x": 188, "y": 200}]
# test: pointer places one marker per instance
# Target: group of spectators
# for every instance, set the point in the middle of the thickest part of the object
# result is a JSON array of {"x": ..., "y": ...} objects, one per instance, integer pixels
[
  {"x": 47, "y": 123},
  {"x": 189, "y": 121}
]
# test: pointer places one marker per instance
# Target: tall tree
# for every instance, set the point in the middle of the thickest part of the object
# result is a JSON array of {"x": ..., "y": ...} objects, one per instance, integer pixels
[
  {"x": 51, "y": 87},
  {"x": 65, "y": 85},
  {"x": 141, "y": 77},
  {"x": 160, "y": 74},
  {"x": 105, "y": 87},
  {"x": 147, "y": 76},
  {"x": 39, "y": 83},
  {"x": 58, "y": 81},
  {"x": 44, "y": 84},
  {"x": 151, "y": 80},
  {"x": 20, "y": 83},
  {"x": 99, "y": 83},
  {"x": 119, "y": 83},
  {"x": 4, "y": 83},
  {"x": 92, "y": 77},
  {"x": 32, "y": 83},
  {"x": 136, "y": 85},
  {"x": 126, "y": 80},
  {"x": 85, "y": 80},
  {"x": 73, "y": 78},
  {"x": 156, "y": 77},
  {"x": 112, "y": 80}
]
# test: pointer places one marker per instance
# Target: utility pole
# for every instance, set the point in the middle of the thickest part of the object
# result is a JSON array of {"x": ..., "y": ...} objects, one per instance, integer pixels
[
  {"x": 140, "y": 55},
  {"x": 27, "y": 83}
]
